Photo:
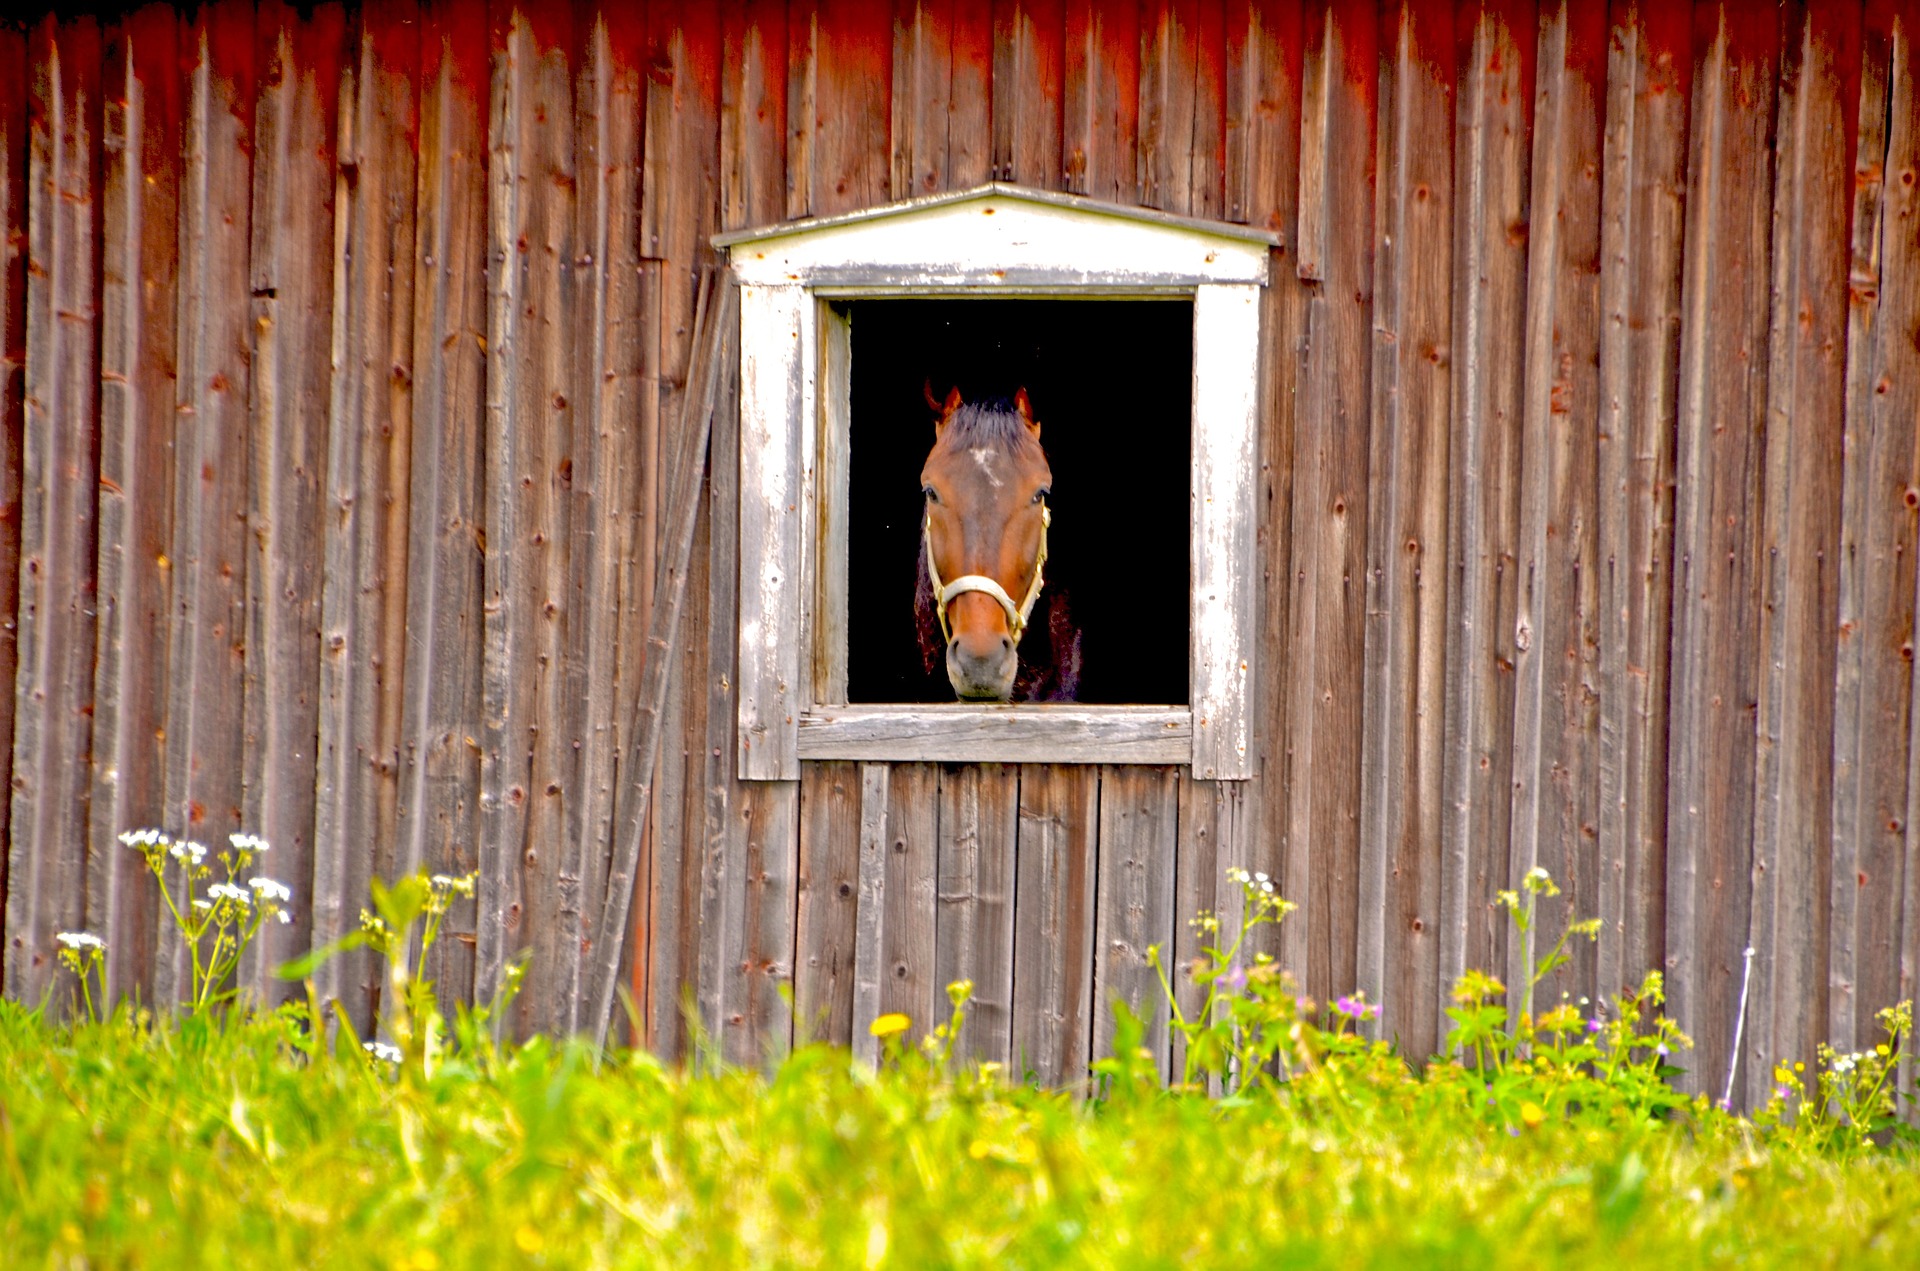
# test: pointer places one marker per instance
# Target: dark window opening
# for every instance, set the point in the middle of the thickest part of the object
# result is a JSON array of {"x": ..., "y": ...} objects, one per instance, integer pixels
[{"x": 1111, "y": 385}]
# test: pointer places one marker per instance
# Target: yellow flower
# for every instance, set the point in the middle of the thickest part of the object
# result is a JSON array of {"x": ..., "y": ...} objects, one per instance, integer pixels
[
  {"x": 1532, "y": 1114},
  {"x": 889, "y": 1024},
  {"x": 528, "y": 1238}
]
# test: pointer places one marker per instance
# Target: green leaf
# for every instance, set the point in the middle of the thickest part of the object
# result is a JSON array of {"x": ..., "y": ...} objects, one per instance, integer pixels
[{"x": 307, "y": 963}]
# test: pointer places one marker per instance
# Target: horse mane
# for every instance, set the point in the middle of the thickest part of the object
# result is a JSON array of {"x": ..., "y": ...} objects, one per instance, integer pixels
[{"x": 992, "y": 422}]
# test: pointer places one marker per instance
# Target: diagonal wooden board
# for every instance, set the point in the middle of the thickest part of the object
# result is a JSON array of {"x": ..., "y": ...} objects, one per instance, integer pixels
[{"x": 714, "y": 332}]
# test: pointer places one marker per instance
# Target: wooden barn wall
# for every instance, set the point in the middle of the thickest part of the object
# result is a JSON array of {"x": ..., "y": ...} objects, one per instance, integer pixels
[{"x": 345, "y": 351}]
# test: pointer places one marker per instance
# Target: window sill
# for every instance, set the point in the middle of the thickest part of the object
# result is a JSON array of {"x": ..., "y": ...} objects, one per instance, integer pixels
[{"x": 962, "y": 733}]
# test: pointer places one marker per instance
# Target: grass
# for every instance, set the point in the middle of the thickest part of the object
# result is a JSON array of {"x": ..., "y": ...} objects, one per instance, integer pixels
[
  {"x": 227, "y": 1137},
  {"x": 198, "y": 1144}
]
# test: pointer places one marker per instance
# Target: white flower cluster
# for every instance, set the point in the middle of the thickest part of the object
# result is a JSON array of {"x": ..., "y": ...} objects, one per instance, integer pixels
[
  {"x": 248, "y": 842},
  {"x": 382, "y": 1050},
  {"x": 267, "y": 889},
  {"x": 1257, "y": 880},
  {"x": 227, "y": 891},
  {"x": 1845, "y": 1063},
  {"x": 80, "y": 940}
]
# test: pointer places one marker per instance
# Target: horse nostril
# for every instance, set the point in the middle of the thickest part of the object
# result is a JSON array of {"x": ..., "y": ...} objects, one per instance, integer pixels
[{"x": 1006, "y": 644}]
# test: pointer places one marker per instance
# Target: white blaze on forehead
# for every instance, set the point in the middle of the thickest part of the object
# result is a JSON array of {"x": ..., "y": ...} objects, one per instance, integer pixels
[{"x": 983, "y": 455}]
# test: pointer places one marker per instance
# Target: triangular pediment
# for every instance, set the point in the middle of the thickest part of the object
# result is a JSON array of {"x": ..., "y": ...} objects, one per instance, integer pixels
[{"x": 1001, "y": 236}]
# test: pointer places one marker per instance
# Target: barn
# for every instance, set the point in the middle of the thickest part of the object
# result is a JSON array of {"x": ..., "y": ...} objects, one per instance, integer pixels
[{"x": 482, "y": 437}]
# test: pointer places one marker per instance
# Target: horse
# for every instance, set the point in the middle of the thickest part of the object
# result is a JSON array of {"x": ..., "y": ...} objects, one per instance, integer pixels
[{"x": 983, "y": 543}]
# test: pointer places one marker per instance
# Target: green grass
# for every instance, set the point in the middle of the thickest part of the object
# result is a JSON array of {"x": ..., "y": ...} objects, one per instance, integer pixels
[{"x": 205, "y": 1144}]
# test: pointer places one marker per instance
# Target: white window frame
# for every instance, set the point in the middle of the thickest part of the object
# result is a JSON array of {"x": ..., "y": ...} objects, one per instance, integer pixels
[{"x": 1010, "y": 242}]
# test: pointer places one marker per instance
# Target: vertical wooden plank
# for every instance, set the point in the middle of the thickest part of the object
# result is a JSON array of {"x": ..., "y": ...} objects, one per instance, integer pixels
[
  {"x": 439, "y": 784},
  {"x": 970, "y": 97},
  {"x": 1271, "y": 49},
  {"x": 1649, "y": 68},
  {"x": 1798, "y": 549},
  {"x": 771, "y": 366},
  {"x": 608, "y": 101},
  {"x": 1717, "y": 472},
  {"x": 526, "y": 760},
  {"x": 1226, "y": 332},
  {"x": 15, "y": 181},
  {"x": 753, "y": 113},
  {"x": 141, "y": 142},
  {"x": 1872, "y": 830},
  {"x": 912, "y": 909},
  {"x": 1405, "y": 655},
  {"x": 1100, "y": 100},
  {"x": 362, "y": 611},
  {"x": 845, "y": 48},
  {"x": 205, "y": 751},
  {"x": 1028, "y": 69},
  {"x": 1139, "y": 826},
  {"x": 772, "y": 817},
  {"x": 869, "y": 970},
  {"x": 293, "y": 237},
  {"x": 1053, "y": 923},
  {"x": 827, "y": 903},
  {"x": 978, "y": 827},
  {"x": 1182, "y": 147},
  {"x": 1555, "y": 796},
  {"x": 1329, "y": 514},
  {"x": 922, "y": 94},
  {"x": 54, "y": 682},
  {"x": 1490, "y": 258}
]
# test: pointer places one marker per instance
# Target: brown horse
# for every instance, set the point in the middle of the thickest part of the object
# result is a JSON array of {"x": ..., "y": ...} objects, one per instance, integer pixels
[{"x": 985, "y": 538}]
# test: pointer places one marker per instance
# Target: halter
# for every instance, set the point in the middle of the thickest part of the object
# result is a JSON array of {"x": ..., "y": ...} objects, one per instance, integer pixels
[{"x": 1016, "y": 614}]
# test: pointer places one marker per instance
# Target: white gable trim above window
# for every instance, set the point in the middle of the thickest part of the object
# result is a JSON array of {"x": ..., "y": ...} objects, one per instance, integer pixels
[{"x": 794, "y": 354}]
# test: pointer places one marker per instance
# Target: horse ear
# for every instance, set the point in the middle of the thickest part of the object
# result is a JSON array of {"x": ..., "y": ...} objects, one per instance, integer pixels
[
  {"x": 944, "y": 409},
  {"x": 1025, "y": 407}
]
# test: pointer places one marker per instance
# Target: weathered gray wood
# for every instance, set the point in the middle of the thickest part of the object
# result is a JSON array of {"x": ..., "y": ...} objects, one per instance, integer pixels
[
  {"x": 1329, "y": 513},
  {"x": 1139, "y": 826},
  {"x": 978, "y": 826},
  {"x": 1874, "y": 668},
  {"x": 1226, "y": 333},
  {"x": 526, "y": 759},
  {"x": 608, "y": 107},
  {"x": 1215, "y": 827},
  {"x": 15, "y": 179},
  {"x": 1555, "y": 799},
  {"x": 908, "y": 931},
  {"x": 291, "y": 263},
  {"x": 764, "y": 1031},
  {"x": 772, "y": 363},
  {"x": 362, "y": 610},
  {"x": 437, "y": 809},
  {"x": 714, "y": 329},
  {"x": 1490, "y": 259},
  {"x": 1053, "y": 924},
  {"x": 829, "y": 642},
  {"x": 1798, "y": 549},
  {"x": 1642, "y": 217},
  {"x": 999, "y": 734},
  {"x": 140, "y": 137},
  {"x": 46, "y": 873},
  {"x": 1717, "y": 474},
  {"x": 1406, "y": 584},
  {"x": 827, "y": 903},
  {"x": 205, "y": 750},
  {"x": 869, "y": 973}
]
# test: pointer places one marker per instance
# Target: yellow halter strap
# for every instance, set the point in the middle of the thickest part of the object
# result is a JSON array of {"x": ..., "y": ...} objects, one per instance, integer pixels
[{"x": 1016, "y": 614}]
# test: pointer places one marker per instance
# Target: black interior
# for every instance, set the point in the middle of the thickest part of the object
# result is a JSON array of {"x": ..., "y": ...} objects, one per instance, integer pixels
[{"x": 1111, "y": 384}]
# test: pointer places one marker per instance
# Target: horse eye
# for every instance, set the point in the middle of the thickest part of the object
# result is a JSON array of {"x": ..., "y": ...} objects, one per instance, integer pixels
[
  {"x": 1042, "y": 493},
  {"x": 931, "y": 494}
]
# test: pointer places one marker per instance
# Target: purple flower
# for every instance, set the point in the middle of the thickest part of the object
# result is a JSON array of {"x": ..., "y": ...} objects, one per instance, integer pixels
[
  {"x": 1661, "y": 1050},
  {"x": 1595, "y": 1024},
  {"x": 1355, "y": 1008},
  {"x": 1235, "y": 977}
]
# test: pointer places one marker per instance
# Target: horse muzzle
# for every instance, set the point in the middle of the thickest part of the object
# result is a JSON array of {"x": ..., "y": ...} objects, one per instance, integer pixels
[{"x": 982, "y": 669}]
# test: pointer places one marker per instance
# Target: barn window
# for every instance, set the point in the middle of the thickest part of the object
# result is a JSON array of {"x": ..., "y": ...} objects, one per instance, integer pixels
[{"x": 1137, "y": 338}]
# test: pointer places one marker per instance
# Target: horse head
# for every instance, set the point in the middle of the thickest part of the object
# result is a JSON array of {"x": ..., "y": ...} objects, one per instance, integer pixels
[{"x": 985, "y": 536}]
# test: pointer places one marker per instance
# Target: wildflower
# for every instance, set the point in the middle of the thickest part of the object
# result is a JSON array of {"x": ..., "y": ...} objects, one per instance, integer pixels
[
  {"x": 1538, "y": 875},
  {"x": 267, "y": 889},
  {"x": 248, "y": 842},
  {"x": 1595, "y": 1024},
  {"x": 283, "y": 916},
  {"x": 80, "y": 940},
  {"x": 202, "y": 905},
  {"x": 1843, "y": 1063},
  {"x": 186, "y": 851},
  {"x": 227, "y": 891},
  {"x": 1532, "y": 1114},
  {"x": 1235, "y": 977},
  {"x": 1356, "y": 1007},
  {"x": 1259, "y": 877},
  {"x": 889, "y": 1024},
  {"x": 1661, "y": 1050},
  {"x": 382, "y": 1050}
]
